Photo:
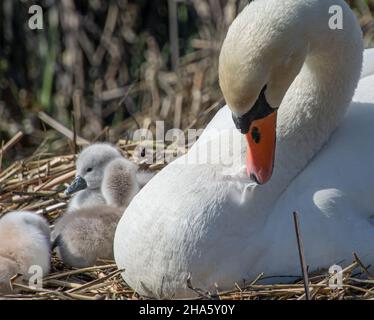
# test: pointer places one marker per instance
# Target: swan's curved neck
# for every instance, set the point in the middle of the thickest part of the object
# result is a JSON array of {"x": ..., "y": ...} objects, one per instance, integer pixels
[{"x": 318, "y": 98}]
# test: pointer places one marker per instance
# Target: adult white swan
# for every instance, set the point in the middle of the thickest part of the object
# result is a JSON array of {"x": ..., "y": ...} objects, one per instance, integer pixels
[{"x": 210, "y": 221}]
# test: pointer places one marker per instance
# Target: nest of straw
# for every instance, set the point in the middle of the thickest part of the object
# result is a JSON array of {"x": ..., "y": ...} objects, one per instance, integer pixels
[{"x": 37, "y": 183}]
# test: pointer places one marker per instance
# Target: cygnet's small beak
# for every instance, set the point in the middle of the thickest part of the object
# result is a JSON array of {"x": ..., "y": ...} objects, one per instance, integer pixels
[{"x": 78, "y": 184}]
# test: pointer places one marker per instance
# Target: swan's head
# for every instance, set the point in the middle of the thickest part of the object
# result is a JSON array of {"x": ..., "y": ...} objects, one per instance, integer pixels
[
  {"x": 91, "y": 164},
  {"x": 260, "y": 58}
]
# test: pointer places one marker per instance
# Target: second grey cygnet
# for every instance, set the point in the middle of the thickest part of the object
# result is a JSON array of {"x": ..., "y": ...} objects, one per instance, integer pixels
[{"x": 105, "y": 184}]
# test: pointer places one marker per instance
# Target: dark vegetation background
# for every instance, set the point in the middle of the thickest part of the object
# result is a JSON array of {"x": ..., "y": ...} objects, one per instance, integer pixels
[{"x": 106, "y": 68}]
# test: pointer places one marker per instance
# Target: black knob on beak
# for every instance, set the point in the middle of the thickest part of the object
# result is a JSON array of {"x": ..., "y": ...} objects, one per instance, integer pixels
[{"x": 260, "y": 110}]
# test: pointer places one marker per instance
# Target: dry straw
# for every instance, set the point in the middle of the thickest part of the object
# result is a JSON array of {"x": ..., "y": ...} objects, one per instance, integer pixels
[{"x": 185, "y": 97}]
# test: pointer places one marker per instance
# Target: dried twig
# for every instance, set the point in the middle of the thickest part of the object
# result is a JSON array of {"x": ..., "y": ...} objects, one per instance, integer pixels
[
  {"x": 61, "y": 128},
  {"x": 301, "y": 255}
]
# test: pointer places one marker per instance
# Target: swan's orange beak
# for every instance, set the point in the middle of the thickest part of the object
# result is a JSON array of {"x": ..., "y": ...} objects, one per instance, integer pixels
[{"x": 261, "y": 148}]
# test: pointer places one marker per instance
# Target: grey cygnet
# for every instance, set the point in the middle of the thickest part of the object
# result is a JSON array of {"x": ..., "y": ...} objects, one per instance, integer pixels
[{"x": 105, "y": 184}]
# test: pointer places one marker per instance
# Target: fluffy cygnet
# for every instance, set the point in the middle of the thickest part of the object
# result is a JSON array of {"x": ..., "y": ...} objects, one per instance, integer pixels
[
  {"x": 87, "y": 235},
  {"x": 91, "y": 165},
  {"x": 105, "y": 184},
  {"x": 24, "y": 243}
]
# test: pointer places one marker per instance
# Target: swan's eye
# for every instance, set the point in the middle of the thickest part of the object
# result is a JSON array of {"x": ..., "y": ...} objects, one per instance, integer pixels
[
  {"x": 256, "y": 136},
  {"x": 89, "y": 170}
]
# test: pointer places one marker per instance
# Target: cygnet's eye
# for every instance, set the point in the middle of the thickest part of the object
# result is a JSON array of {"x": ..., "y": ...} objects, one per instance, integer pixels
[{"x": 89, "y": 170}]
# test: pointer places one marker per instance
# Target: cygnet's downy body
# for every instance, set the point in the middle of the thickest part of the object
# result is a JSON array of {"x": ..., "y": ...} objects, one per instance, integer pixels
[
  {"x": 87, "y": 235},
  {"x": 8, "y": 269},
  {"x": 24, "y": 247},
  {"x": 105, "y": 184}
]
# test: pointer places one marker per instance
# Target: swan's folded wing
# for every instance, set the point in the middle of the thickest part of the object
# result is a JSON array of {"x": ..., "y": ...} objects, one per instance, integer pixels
[{"x": 221, "y": 121}]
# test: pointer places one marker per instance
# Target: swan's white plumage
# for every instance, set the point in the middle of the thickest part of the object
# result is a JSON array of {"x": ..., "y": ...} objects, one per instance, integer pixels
[
  {"x": 198, "y": 221},
  {"x": 368, "y": 65}
]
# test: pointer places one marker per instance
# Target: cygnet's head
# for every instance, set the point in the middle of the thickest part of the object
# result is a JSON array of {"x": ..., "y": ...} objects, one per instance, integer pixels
[{"x": 91, "y": 164}]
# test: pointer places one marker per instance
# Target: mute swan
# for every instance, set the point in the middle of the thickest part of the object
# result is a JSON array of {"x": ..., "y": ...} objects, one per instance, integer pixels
[
  {"x": 213, "y": 223},
  {"x": 85, "y": 234},
  {"x": 24, "y": 243}
]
